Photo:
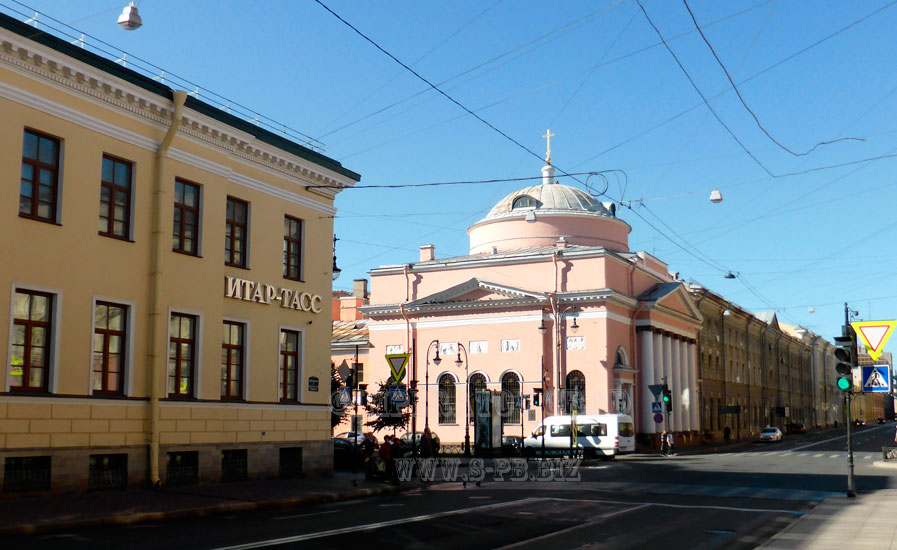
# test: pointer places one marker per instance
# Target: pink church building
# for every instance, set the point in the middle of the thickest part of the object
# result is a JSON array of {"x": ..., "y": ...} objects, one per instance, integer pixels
[{"x": 549, "y": 301}]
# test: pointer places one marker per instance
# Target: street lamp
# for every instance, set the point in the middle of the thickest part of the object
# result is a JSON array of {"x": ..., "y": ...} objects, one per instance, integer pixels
[
  {"x": 336, "y": 271},
  {"x": 436, "y": 361},
  {"x": 466, "y": 363}
]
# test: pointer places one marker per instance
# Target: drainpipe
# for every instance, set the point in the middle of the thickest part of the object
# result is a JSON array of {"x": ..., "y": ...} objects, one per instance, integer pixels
[{"x": 156, "y": 361}]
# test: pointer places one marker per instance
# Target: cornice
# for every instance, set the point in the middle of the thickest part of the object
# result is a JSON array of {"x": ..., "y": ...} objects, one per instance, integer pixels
[{"x": 88, "y": 83}]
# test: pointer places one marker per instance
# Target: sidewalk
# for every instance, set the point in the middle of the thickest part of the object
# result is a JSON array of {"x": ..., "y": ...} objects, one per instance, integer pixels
[
  {"x": 841, "y": 523},
  {"x": 37, "y": 514}
]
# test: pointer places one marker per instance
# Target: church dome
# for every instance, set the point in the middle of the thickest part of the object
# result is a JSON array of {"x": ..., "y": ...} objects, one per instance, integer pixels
[{"x": 543, "y": 198}]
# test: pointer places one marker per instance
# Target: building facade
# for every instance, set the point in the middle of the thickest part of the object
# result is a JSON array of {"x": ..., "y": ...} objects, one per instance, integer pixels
[
  {"x": 167, "y": 272},
  {"x": 550, "y": 302}
]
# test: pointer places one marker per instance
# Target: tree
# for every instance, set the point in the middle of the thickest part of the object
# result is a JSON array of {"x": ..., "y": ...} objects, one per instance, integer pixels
[
  {"x": 337, "y": 411},
  {"x": 384, "y": 413}
]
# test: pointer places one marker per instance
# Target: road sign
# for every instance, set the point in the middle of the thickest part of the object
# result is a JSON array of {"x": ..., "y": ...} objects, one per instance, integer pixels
[
  {"x": 656, "y": 389},
  {"x": 398, "y": 395},
  {"x": 876, "y": 378},
  {"x": 345, "y": 398},
  {"x": 658, "y": 418},
  {"x": 397, "y": 363},
  {"x": 874, "y": 335},
  {"x": 657, "y": 407}
]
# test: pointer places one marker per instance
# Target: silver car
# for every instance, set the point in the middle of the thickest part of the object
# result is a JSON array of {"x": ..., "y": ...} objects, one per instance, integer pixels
[{"x": 771, "y": 434}]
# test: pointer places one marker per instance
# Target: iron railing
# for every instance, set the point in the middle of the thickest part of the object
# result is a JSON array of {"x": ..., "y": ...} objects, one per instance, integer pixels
[
  {"x": 26, "y": 473},
  {"x": 108, "y": 472}
]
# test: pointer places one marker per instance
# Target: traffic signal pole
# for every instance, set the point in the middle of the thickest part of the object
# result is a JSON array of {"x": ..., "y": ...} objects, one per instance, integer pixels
[{"x": 851, "y": 486}]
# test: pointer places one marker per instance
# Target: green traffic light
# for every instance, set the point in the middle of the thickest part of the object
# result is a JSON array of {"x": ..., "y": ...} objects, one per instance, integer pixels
[
  {"x": 844, "y": 384},
  {"x": 666, "y": 398}
]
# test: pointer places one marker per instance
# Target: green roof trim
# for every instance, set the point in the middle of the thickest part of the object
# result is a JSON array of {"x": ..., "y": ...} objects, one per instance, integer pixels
[{"x": 150, "y": 85}]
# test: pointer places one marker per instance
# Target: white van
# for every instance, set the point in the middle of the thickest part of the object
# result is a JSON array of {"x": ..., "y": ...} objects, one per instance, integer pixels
[
  {"x": 622, "y": 429},
  {"x": 593, "y": 435}
]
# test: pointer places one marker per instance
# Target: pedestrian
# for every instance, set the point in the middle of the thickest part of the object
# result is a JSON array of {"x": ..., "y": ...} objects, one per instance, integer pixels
[
  {"x": 727, "y": 434},
  {"x": 386, "y": 457},
  {"x": 367, "y": 451},
  {"x": 435, "y": 442},
  {"x": 663, "y": 443},
  {"x": 426, "y": 444},
  {"x": 669, "y": 443},
  {"x": 395, "y": 452}
]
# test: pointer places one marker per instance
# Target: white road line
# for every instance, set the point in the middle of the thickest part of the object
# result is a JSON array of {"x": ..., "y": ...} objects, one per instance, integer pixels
[
  {"x": 833, "y": 456},
  {"x": 307, "y": 515},
  {"x": 592, "y": 523},
  {"x": 372, "y": 526},
  {"x": 817, "y": 456},
  {"x": 696, "y": 506}
]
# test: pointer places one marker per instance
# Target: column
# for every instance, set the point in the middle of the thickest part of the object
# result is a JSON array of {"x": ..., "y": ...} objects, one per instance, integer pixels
[
  {"x": 686, "y": 393},
  {"x": 658, "y": 358},
  {"x": 693, "y": 385},
  {"x": 675, "y": 386},
  {"x": 646, "y": 371},
  {"x": 667, "y": 362}
]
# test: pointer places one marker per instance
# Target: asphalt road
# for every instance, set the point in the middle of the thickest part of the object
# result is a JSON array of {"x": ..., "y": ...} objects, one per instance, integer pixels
[{"x": 731, "y": 500}]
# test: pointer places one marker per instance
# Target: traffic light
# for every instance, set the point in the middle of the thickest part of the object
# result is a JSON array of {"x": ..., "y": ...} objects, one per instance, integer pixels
[
  {"x": 844, "y": 359},
  {"x": 537, "y": 398},
  {"x": 667, "y": 398}
]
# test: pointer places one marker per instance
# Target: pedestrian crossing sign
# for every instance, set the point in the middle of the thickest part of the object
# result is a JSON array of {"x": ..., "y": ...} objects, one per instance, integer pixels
[
  {"x": 657, "y": 407},
  {"x": 874, "y": 335},
  {"x": 876, "y": 378}
]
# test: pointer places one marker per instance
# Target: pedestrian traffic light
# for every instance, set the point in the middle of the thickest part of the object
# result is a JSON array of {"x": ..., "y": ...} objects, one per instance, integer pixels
[
  {"x": 537, "y": 398},
  {"x": 667, "y": 398},
  {"x": 844, "y": 359}
]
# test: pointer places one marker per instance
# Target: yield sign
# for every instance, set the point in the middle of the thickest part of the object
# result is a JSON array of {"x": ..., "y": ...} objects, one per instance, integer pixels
[
  {"x": 397, "y": 363},
  {"x": 874, "y": 335}
]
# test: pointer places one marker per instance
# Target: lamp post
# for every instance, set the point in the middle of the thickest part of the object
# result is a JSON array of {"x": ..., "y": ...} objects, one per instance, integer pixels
[
  {"x": 559, "y": 318},
  {"x": 436, "y": 361},
  {"x": 542, "y": 329},
  {"x": 466, "y": 363}
]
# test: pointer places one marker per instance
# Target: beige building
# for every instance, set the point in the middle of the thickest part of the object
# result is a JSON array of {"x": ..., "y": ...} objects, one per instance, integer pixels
[{"x": 166, "y": 280}]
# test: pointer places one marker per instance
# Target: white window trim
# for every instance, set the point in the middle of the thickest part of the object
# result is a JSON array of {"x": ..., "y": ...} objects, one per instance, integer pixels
[
  {"x": 300, "y": 371},
  {"x": 246, "y": 352},
  {"x": 197, "y": 367},
  {"x": 128, "y": 370},
  {"x": 56, "y": 314}
]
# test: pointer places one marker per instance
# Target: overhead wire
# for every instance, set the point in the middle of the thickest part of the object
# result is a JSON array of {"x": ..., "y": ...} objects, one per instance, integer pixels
[{"x": 744, "y": 103}]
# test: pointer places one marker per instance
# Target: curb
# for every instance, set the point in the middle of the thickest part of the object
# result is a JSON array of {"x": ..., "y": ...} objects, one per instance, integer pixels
[{"x": 150, "y": 517}]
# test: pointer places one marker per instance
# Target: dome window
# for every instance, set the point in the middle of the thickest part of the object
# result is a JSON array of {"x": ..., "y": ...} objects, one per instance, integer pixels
[{"x": 524, "y": 201}]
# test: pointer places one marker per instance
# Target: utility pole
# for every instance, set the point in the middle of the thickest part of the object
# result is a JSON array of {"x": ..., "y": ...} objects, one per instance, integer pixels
[{"x": 851, "y": 486}]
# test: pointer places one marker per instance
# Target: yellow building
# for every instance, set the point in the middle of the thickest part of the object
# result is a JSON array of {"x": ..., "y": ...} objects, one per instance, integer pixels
[{"x": 166, "y": 274}]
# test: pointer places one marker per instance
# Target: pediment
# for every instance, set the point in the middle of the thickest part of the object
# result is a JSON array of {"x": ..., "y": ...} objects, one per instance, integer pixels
[
  {"x": 477, "y": 290},
  {"x": 671, "y": 296}
]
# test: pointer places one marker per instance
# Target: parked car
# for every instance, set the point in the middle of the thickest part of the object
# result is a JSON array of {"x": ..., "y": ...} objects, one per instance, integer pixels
[
  {"x": 511, "y": 445},
  {"x": 797, "y": 428},
  {"x": 771, "y": 434},
  {"x": 881, "y": 420},
  {"x": 350, "y": 436},
  {"x": 859, "y": 422},
  {"x": 343, "y": 455}
]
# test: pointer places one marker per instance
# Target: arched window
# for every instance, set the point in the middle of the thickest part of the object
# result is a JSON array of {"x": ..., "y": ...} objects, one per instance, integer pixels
[
  {"x": 447, "y": 399},
  {"x": 523, "y": 201},
  {"x": 477, "y": 383},
  {"x": 575, "y": 395},
  {"x": 510, "y": 392}
]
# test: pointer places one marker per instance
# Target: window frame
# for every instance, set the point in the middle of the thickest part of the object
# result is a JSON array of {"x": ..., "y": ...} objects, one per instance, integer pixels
[
  {"x": 113, "y": 189},
  {"x": 184, "y": 208},
  {"x": 513, "y": 415},
  {"x": 124, "y": 350},
  {"x": 49, "y": 339},
  {"x": 288, "y": 240},
  {"x": 227, "y": 347},
  {"x": 232, "y": 224},
  {"x": 450, "y": 403},
  {"x": 176, "y": 339},
  {"x": 283, "y": 372},
  {"x": 36, "y": 165}
]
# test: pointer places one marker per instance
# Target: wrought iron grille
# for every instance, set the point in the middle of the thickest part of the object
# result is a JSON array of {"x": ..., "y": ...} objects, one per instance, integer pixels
[
  {"x": 108, "y": 472},
  {"x": 182, "y": 468},
  {"x": 233, "y": 465},
  {"x": 26, "y": 473}
]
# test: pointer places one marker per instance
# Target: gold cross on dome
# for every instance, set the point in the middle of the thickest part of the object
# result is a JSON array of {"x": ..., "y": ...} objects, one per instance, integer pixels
[{"x": 548, "y": 135}]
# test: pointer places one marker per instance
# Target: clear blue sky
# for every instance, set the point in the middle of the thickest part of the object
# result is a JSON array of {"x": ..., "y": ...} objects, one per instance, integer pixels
[{"x": 594, "y": 73}]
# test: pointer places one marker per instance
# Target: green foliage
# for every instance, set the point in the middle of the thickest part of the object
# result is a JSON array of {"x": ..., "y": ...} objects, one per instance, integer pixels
[{"x": 383, "y": 413}]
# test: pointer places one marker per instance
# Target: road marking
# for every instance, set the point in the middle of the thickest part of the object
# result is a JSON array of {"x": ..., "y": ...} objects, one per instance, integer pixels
[
  {"x": 592, "y": 523},
  {"x": 479, "y": 498},
  {"x": 833, "y": 456},
  {"x": 307, "y": 515},
  {"x": 392, "y": 505},
  {"x": 686, "y": 506},
  {"x": 373, "y": 526},
  {"x": 817, "y": 456}
]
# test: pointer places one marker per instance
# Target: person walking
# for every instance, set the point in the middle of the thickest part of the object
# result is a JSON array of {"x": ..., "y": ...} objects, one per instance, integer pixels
[
  {"x": 663, "y": 443},
  {"x": 386, "y": 458},
  {"x": 669, "y": 443},
  {"x": 426, "y": 444}
]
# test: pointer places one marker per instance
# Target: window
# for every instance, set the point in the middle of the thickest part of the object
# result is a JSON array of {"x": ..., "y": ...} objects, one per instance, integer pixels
[
  {"x": 289, "y": 365},
  {"x": 109, "y": 346},
  {"x": 447, "y": 399},
  {"x": 524, "y": 201},
  {"x": 477, "y": 383},
  {"x": 292, "y": 248},
  {"x": 39, "y": 186},
  {"x": 235, "y": 231},
  {"x": 185, "y": 231},
  {"x": 232, "y": 361},
  {"x": 181, "y": 354},
  {"x": 575, "y": 396},
  {"x": 26, "y": 473},
  {"x": 29, "y": 364},
  {"x": 115, "y": 198},
  {"x": 560, "y": 430},
  {"x": 510, "y": 392}
]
